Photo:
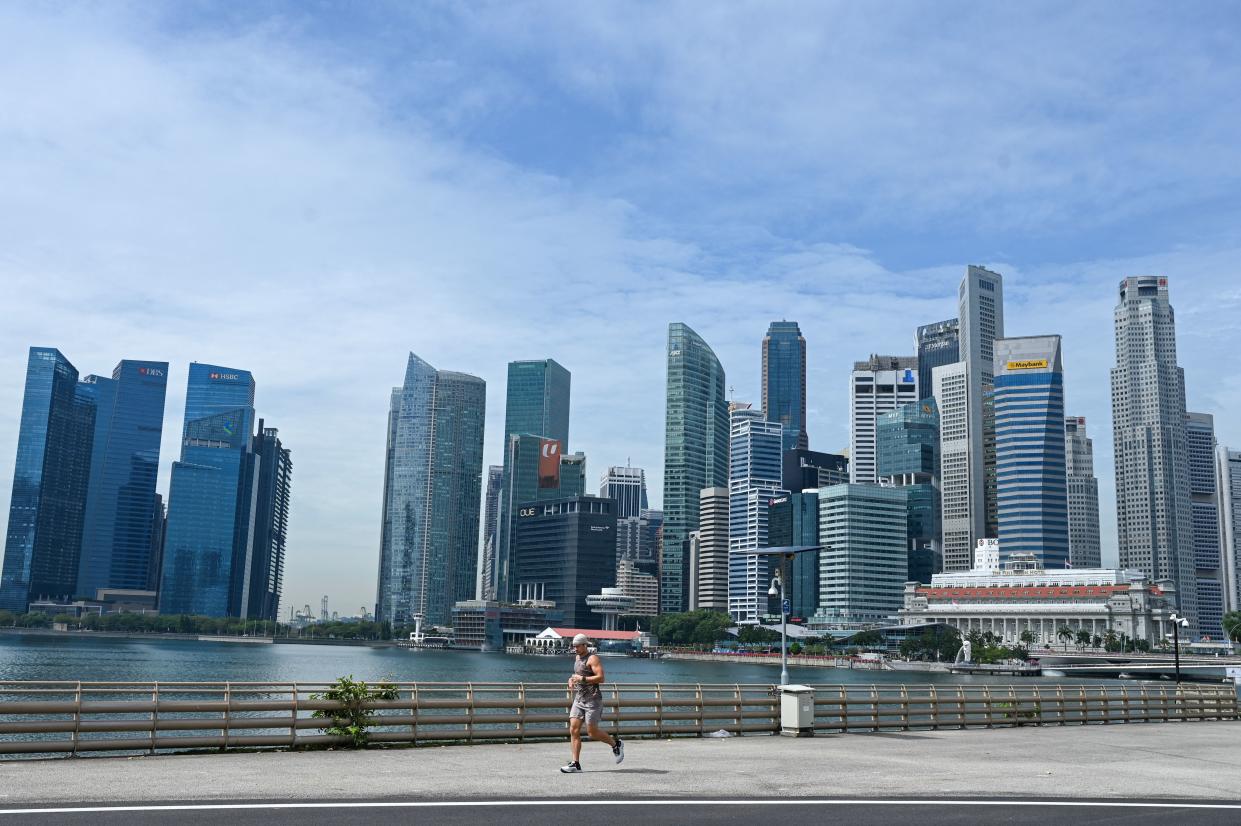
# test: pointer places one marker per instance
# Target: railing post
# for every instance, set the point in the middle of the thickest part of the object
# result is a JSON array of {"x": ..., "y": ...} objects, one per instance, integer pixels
[
  {"x": 702, "y": 716},
  {"x": 77, "y": 719},
  {"x": 293, "y": 720},
  {"x": 154, "y": 716},
  {"x": 228, "y": 703},
  {"x": 933, "y": 708},
  {"x": 986, "y": 694},
  {"x": 659, "y": 710},
  {"x": 469, "y": 712},
  {"x": 904, "y": 707},
  {"x": 521, "y": 712}
]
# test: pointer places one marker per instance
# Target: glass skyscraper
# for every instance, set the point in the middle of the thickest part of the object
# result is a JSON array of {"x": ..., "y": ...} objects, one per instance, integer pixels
[
  {"x": 784, "y": 382},
  {"x": 794, "y": 520},
  {"x": 1084, "y": 550},
  {"x": 863, "y": 566},
  {"x": 907, "y": 456},
  {"x": 695, "y": 452},
  {"x": 120, "y": 504},
  {"x": 754, "y": 477},
  {"x": 264, "y": 570},
  {"x": 1031, "y": 474},
  {"x": 432, "y": 487},
  {"x": 938, "y": 344},
  {"x": 50, "y": 481},
  {"x": 1209, "y": 573}
]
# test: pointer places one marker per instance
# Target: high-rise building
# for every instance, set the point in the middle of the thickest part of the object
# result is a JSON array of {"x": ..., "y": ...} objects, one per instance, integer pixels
[
  {"x": 695, "y": 452},
  {"x": 537, "y": 405},
  {"x": 1031, "y": 480},
  {"x": 1084, "y": 545},
  {"x": 264, "y": 570},
  {"x": 863, "y": 566},
  {"x": 120, "y": 502},
  {"x": 981, "y": 314},
  {"x": 754, "y": 477},
  {"x": 810, "y": 469},
  {"x": 637, "y": 539},
  {"x": 1228, "y": 473},
  {"x": 710, "y": 564},
  {"x": 793, "y": 520},
  {"x": 212, "y": 389},
  {"x": 938, "y": 344},
  {"x": 641, "y": 586},
  {"x": 50, "y": 482},
  {"x": 432, "y": 487},
  {"x": 1153, "y": 510},
  {"x": 627, "y": 485},
  {"x": 876, "y": 386},
  {"x": 907, "y": 457},
  {"x": 1209, "y": 569},
  {"x": 784, "y": 382},
  {"x": 486, "y": 588},
  {"x": 951, "y": 393},
  {"x": 564, "y": 550}
]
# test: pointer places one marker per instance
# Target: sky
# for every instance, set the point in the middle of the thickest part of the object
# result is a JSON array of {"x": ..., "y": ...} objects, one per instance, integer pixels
[{"x": 312, "y": 190}]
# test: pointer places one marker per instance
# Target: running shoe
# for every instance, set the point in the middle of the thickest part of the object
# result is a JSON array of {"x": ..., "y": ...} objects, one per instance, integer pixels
[
  {"x": 572, "y": 767},
  {"x": 619, "y": 750}
]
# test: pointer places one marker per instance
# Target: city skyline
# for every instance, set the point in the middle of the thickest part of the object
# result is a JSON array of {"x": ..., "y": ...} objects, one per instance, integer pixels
[{"x": 582, "y": 241}]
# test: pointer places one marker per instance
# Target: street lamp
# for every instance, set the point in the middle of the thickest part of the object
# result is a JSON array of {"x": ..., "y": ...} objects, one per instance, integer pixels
[
  {"x": 777, "y": 589},
  {"x": 1177, "y": 623}
]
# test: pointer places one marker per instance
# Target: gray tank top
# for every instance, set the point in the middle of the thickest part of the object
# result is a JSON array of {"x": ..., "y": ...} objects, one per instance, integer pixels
[{"x": 585, "y": 691}]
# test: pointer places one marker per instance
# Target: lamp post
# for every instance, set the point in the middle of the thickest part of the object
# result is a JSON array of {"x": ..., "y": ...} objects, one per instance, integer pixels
[
  {"x": 777, "y": 588},
  {"x": 1177, "y": 623}
]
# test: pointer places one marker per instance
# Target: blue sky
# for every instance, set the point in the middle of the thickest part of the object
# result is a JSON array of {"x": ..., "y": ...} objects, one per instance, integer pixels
[{"x": 312, "y": 190}]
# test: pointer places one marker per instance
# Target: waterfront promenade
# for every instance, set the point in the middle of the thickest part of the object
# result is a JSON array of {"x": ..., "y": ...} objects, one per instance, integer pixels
[{"x": 1185, "y": 762}]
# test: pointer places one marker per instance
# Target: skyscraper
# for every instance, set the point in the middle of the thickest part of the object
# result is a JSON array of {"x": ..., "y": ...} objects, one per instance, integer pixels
[
  {"x": 951, "y": 392},
  {"x": 793, "y": 519},
  {"x": 876, "y": 386},
  {"x": 907, "y": 456},
  {"x": 627, "y": 486},
  {"x": 263, "y": 580},
  {"x": 536, "y": 404},
  {"x": 710, "y": 564},
  {"x": 1209, "y": 570},
  {"x": 754, "y": 476},
  {"x": 938, "y": 344},
  {"x": 695, "y": 452},
  {"x": 784, "y": 382},
  {"x": 432, "y": 486},
  {"x": 805, "y": 469},
  {"x": 1228, "y": 473},
  {"x": 1032, "y": 486},
  {"x": 1153, "y": 512},
  {"x": 491, "y": 520},
  {"x": 564, "y": 549},
  {"x": 120, "y": 503},
  {"x": 863, "y": 566},
  {"x": 44, "y": 536},
  {"x": 1084, "y": 548},
  {"x": 981, "y": 313}
]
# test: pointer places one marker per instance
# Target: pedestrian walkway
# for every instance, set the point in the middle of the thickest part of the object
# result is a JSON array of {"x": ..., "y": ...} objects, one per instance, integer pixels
[{"x": 1169, "y": 760}]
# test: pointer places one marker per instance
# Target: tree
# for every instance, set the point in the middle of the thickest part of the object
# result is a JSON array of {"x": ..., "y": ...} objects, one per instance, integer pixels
[
  {"x": 868, "y": 637},
  {"x": 1232, "y": 625},
  {"x": 1065, "y": 633},
  {"x": 1082, "y": 638},
  {"x": 701, "y": 627},
  {"x": 1027, "y": 637},
  {"x": 1096, "y": 642},
  {"x": 756, "y": 634}
]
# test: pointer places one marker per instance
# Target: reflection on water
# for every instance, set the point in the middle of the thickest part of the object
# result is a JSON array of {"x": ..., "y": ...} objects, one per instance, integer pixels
[{"x": 106, "y": 659}]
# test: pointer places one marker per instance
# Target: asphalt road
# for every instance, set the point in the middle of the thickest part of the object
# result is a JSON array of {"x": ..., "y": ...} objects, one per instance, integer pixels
[{"x": 627, "y": 813}]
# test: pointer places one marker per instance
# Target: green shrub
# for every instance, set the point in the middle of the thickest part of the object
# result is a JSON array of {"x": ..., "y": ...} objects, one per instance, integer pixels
[{"x": 353, "y": 719}]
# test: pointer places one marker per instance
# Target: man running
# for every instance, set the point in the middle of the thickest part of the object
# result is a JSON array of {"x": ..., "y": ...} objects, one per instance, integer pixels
[{"x": 587, "y": 704}]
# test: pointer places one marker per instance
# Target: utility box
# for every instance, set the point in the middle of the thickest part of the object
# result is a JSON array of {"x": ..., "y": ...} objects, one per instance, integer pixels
[{"x": 796, "y": 711}]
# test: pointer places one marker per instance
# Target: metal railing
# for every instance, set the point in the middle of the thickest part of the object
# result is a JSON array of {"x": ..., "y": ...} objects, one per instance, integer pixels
[{"x": 76, "y": 718}]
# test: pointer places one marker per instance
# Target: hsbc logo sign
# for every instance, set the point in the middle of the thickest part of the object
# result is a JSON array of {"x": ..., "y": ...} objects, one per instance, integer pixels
[{"x": 224, "y": 376}]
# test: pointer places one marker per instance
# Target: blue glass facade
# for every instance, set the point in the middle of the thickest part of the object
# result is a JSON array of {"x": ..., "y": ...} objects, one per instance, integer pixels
[
  {"x": 212, "y": 389},
  {"x": 1031, "y": 475},
  {"x": 260, "y": 593},
  {"x": 784, "y": 382},
  {"x": 794, "y": 520},
  {"x": 50, "y": 480},
  {"x": 907, "y": 456},
  {"x": 120, "y": 505},
  {"x": 938, "y": 344},
  {"x": 754, "y": 477}
]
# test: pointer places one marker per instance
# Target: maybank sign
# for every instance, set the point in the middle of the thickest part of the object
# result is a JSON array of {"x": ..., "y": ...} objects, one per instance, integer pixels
[{"x": 1027, "y": 364}]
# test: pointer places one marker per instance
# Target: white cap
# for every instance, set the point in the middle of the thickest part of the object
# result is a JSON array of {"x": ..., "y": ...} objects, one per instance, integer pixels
[{"x": 581, "y": 639}]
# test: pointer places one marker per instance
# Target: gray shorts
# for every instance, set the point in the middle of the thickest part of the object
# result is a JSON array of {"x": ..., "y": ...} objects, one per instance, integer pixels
[{"x": 590, "y": 710}]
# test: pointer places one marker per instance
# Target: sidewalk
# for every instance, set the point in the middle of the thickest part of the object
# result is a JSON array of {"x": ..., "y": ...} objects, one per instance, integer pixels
[{"x": 1166, "y": 760}]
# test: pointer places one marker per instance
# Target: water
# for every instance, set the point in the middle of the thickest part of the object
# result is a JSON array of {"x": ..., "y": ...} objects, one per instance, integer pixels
[{"x": 113, "y": 659}]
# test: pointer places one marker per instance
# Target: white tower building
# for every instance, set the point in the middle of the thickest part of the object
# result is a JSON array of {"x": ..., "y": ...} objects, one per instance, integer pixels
[{"x": 876, "y": 386}]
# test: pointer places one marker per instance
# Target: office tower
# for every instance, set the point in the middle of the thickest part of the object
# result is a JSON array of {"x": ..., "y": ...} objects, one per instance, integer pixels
[
  {"x": 212, "y": 389},
  {"x": 643, "y": 587},
  {"x": 1084, "y": 546},
  {"x": 159, "y": 525},
  {"x": 863, "y": 566},
  {"x": 50, "y": 479},
  {"x": 1153, "y": 512},
  {"x": 564, "y": 550},
  {"x": 432, "y": 487},
  {"x": 1209, "y": 569},
  {"x": 950, "y": 391},
  {"x": 637, "y": 539},
  {"x": 808, "y": 469},
  {"x": 120, "y": 502},
  {"x": 876, "y": 386},
  {"x": 793, "y": 520},
  {"x": 754, "y": 477},
  {"x": 486, "y": 588},
  {"x": 938, "y": 344},
  {"x": 907, "y": 456},
  {"x": 627, "y": 485},
  {"x": 784, "y": 382},
  {"x": 264, "y": 571},
  {"x": 1228, "y": 473},
  {"x": 536, "y": 404},
  {"x": 1031, "y": 481},
  {"x": 981, "y": 313},
  {"x": 695, "y": 452},
  {"x": 710, "y": 590}
]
